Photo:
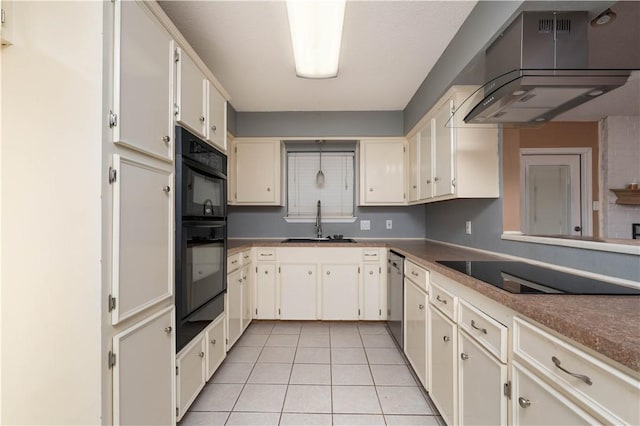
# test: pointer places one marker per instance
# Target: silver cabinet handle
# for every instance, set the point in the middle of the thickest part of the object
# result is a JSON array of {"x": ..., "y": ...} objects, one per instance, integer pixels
[
  {"x": 201, "y": 354},
  {"x": 440, "y": 300},
  {"x": 446, "y": 338},
  {"x": 421, "y": 306},
  {"x": 214, "y": 128},
  {"x": 464, "y": 356},
  {"x": 328, "y": 272},
  {"x": 473, "y": 324},
  {"x": 370, "y": 189},
  {"x": 266, "y": 272},
  {"x": 436, "y": 179},
  {"x": 524, "y": 402},
  {"x": 414, "y": 273},
  {"x": 414, "y": 187},
  {"x": 266, "y": 254},
  {"x": 240, "y": 280},
  {"x": 168, "y": 330},
  {"x": 166, "y": 139},
  {"x": 166, "y": 188},
  {"x": 213, "y": 342},
  {"x": 268, "y": 189},
  {"x": 233, "y": 262},
  {"x": 582, "y": 377},
  {"x": 310, "y": 273},
  {"x": 202, "y": 119},
  {"x": 370, "y": 272},
  {"x": 428, "y": 180}
]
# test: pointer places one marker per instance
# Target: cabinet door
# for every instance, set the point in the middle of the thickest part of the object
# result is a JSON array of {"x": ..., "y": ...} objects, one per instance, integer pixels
[
  {"x": 234, "y": 305},
  {"x": 443, "y": 365},
  {"x": 340, "y": 292},
  {"x": 247, "y": 305},
  {"x": 414, "y": 168},
  {"x": 145, "y": 365},
  {"x": 216, "y": 117},
  {"x": 371, "y": 291},
  {"x": 143, "y": 77},
  {"x": 142, "y": 273},
  {"x": 266, "y": 291},
  {"x": 298, "y": 292},
  {"x": 536, "y": 403},
  {"x": 415, "y": 323},
  {"x": 444, "y": 148},
  {"x": 480, "y": 370},
  {"x": 256, "y": 172},
  {"x": 191, "y": 94},
  {"x": 191, "y": 374},
  {"x": 425, "y": 189},
  {"x": 382, "y": 172},
  {"x": 215, "y": 344}
]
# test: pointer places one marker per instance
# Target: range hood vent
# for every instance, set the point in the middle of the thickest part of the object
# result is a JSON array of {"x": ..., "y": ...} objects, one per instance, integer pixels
[{"x": 538, "y": 68}]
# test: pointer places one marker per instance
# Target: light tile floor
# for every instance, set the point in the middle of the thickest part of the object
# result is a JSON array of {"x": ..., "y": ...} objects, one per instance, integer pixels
[{"x": 313, "y": 373}]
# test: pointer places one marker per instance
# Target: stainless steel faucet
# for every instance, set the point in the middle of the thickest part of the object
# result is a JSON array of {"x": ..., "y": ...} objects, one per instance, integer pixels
[{"x": 319, "y": 221}]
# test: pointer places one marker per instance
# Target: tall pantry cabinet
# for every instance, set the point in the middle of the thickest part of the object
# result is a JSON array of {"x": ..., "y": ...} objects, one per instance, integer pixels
[{"x": 94, "y": 252}]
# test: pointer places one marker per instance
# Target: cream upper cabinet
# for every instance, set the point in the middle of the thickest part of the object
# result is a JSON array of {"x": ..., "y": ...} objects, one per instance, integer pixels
[
  {"x": 413, "y": 161},
  {"x": 444, "y": 143},
  {"x": 144, "y": 364},
  {"x": 298, "y": 292},
  {"x": 142, "y": 111},
  {"x": 425, "y": 164},
  {"x": 255, "y": 172},
  {"x": 382, "y": 171},
  {"x": 216, "y": 123},
  {"x": 340, "y": 292},
  {"x": 415, "y": 323},
  {"x": 191, "y": 94}
]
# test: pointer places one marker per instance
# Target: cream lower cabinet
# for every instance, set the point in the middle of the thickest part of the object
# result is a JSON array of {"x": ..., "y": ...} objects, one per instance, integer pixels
[
  {"x": 298, "y": 292},
  {"x": 247, "y": 299},
  {"x": 234, "y": 307},
  {"x": 479, "y": 370},
  {"x": 215, "y": 343},
  {"x": 340, "y": 292},
  {"x": 255, "y": 172},
  {"x": 382, "y": 172},
  {"x": 266, "y": 306},
  {"x": 374, "y": 305},
  {"x": 143, "y": 363},
  {"x": 443, "y": 377},
  {"x": 191, "y": 369},
  {"x": 415, "y": 322},
  {"x": 536, "y": 403}
]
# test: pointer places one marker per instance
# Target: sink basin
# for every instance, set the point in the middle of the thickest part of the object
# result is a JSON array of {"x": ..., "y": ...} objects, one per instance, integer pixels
[{"x": 319, "y": 240}]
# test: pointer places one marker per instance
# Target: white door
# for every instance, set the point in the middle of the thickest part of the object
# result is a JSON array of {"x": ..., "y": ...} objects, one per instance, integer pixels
[
  {"x": 216, "y": 117},
  {"x": 191, "y": 371},
  {"x": 266, "y": 306},
  {"x": 415, "y": 322},
  {"x": 257, "y": 172},
  {"x": 414, "y": 170},
  {"x": 551, "y": 194},
  {"x": 144, "y": 372},
  {"x": 443, "y": 379},
  {"x": 371, "y": 309},
  {"x": 234, "y": 305},
  {"x": 191, "y": 94},
  {"x": 340, "y": 292},
  {"x": 298, "y": 292},
  {"x": 480, "y": 370},
  {"x": 444, "y": 147},
  {"x": 382, "y": 168},
  {"x": 143, "y": 101},
  {"x": 142, "y": 269},
  {"x": 426, "y": 162}
]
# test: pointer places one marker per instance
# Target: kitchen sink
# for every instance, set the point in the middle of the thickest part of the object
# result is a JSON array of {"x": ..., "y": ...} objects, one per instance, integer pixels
[{"x": 319, "y": 240}]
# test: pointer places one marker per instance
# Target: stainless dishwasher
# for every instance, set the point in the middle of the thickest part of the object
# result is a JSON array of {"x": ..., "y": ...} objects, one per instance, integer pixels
[{"x": 395, "y": 296}]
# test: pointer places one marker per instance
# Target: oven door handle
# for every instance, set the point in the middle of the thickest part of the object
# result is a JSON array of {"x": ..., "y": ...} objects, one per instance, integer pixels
[
  {"x": 203, "y": 224},
  {"x": 205, "y": 170}
]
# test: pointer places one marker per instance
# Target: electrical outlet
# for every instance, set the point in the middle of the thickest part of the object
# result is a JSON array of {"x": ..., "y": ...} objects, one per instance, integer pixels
[
  {"x": 389, "y": 224},
  {"x": 365, "y": 225},
  {"x": 468, "y": 227}
]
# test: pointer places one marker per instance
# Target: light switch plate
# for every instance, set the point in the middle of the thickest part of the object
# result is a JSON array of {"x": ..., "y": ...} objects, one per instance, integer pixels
[
  {"x": 365, "y": 225},
  {"x": 389, "y": 224}
]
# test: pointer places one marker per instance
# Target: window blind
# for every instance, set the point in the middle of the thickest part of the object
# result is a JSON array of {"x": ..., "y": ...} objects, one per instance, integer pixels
[{"x": 337, "y": 192}]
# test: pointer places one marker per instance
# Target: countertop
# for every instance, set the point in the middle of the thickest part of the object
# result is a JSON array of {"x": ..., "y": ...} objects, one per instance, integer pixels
[{"x": 609, "y": 325}]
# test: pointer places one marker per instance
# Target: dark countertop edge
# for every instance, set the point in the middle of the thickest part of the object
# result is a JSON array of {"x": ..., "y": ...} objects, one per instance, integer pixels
[{"x": 573, "y": 325}]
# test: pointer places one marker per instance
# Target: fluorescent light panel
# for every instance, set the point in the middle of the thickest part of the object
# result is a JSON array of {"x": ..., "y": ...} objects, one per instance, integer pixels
[{"x": 316, "y": 34}]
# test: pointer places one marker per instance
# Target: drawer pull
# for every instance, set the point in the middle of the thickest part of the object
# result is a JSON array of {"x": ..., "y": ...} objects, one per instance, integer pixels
[
  {"x": 441, "y": 300},
  {"x": 446, "y": 338},
  {"x": 213, "y": 342},
  {"x": 414, "y": 273},
  {"x": 421, "y": 306},
  {"x": 310, "y": 273},
  {"x": 168, "y": 330},
  {"x": 464, "y": 356},
  {"x": 266, "y": 254},
  {"x": 473, "y": 324},
  {"x": 201, "y": 354},
  {"x": 370, "y": 272},
  {"x": 582, "y": 377},
  {"x": 524, "y": 402}
]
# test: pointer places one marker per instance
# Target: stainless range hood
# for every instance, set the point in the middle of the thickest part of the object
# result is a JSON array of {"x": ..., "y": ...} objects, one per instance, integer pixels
[{"x": 537, "y": 69}]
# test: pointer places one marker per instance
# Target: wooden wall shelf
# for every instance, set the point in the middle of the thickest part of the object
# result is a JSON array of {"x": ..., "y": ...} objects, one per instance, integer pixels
[{"x": 627, "y": 196}]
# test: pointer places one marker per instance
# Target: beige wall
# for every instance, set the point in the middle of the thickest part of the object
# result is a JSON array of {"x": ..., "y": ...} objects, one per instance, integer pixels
[
  {"x": 551, "y": 135},
  {"x": 51, "y": 309}
]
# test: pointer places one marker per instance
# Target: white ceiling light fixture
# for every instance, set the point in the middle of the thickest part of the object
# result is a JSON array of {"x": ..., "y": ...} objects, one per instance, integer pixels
[{"x": 316, "y": 35}]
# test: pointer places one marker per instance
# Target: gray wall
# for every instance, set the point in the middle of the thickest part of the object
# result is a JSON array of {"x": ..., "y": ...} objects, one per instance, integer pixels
[
  {"x": 268, "y": 222},
  {"x": 320, "y": 124},
  {"x": 232, "y": 119}
]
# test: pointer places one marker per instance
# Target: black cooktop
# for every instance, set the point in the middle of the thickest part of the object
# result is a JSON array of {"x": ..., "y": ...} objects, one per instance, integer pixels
[{"x": 524, "y": 278}]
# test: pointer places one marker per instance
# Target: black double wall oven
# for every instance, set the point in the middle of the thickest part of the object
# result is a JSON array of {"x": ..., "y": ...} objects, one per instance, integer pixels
[{"x": 201, "y": 235}]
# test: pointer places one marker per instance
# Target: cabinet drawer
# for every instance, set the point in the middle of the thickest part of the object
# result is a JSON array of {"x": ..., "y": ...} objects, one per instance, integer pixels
[
  {"x": 444, "y": 301},
  {"x": 370, "y": 255},
  {"x": 266, "y": 254},
  {"x": 233, "y": 262},
  {"x": 612, "y": 393},
  {"x": 245, "y": 257},
  {"x": 489, "y": 332},
  {"x": 416, "y": 274}
]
